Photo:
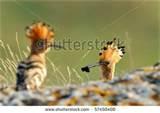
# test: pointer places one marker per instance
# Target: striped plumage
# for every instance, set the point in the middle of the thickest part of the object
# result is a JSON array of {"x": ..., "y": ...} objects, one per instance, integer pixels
[
  {"x": 109, "y": 56},
  {"x": 32, "y": 71}
]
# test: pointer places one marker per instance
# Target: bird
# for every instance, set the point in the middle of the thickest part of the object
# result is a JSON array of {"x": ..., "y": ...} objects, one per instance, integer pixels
[
  {"x": 31, "y": 72},
  {"x": 109, "y": 56}
]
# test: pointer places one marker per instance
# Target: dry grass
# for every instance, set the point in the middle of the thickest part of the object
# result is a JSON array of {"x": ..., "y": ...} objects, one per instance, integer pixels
[
  {"x": 10, "y": 59},
  {"x": 70, "y": 76}
]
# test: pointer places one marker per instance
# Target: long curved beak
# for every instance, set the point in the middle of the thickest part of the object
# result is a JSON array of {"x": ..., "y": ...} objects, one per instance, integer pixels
[{"x": 87, "y": 68}]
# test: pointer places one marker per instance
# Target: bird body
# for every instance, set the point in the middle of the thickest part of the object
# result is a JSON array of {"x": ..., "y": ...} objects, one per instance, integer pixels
[
  {"x": 109, "y": 56},
  {"x": 32, "y": 71}
]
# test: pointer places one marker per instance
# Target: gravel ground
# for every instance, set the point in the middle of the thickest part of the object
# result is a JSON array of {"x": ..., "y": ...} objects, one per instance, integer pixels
[{"x": 139, "y": 87}]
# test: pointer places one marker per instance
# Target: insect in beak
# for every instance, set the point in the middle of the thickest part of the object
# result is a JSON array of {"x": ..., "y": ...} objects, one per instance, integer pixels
[{"x": 87, "y": 68}]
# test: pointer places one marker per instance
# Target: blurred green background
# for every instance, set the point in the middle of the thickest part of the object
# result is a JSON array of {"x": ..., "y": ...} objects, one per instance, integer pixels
[{"x": 137, "y": 23}]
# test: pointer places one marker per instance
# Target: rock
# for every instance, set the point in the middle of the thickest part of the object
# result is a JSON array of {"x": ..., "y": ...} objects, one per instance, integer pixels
[{"x": 139, "y": 87}]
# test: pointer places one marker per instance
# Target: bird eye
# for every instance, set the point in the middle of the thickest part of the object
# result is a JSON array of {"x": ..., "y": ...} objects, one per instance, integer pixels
[
  {"x": 100, "y": 54},
  {"x": 105, "y": 48}
]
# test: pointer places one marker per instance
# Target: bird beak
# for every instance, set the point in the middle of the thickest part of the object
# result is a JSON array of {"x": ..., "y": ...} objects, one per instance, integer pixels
[{"x": 87, "y": 68}]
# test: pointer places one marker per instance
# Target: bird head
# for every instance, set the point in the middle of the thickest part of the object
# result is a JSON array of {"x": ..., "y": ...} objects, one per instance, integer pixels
[
  {"x": 112, "y": 52},
  {"x": 41, "y": 36}
]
